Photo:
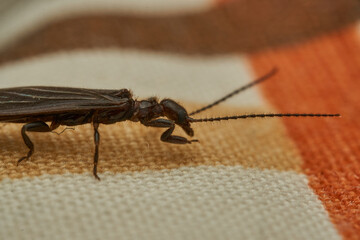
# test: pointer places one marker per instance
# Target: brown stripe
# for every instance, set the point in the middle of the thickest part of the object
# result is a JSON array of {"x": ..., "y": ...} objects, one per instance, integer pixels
[
  {"x": 128, "y": 146},
  {"x": 323, "y": 76},
  {"x": 235, "y": 26}
]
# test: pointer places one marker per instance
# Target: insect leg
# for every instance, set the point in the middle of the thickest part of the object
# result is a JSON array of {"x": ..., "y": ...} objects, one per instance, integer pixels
[
  {"x": 96, "y": 155},
  {"x": 32, "y": 127},
  {"x": 166, "y": 136}
]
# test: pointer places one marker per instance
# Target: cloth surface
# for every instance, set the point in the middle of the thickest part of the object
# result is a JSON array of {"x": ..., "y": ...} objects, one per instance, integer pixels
[{"x": 295, "y": 178}]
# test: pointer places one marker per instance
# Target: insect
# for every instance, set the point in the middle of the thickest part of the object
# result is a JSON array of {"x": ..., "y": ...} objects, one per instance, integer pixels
[{"x": 35, "y": 106}]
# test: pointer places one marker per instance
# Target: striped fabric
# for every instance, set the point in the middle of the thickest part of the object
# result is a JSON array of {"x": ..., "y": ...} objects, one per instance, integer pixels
[{"x": 295, "y": 178}]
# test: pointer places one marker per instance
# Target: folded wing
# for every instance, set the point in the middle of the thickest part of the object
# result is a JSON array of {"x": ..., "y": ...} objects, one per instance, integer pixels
[{"x": 28, "y": 101}]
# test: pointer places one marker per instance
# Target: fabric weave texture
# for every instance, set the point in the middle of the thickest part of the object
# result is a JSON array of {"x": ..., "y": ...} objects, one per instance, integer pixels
[{"x": 288, "y": 178}]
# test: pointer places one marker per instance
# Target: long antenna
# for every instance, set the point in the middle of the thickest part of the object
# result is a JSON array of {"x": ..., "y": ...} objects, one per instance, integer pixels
[
  {"x": 264, "y": 116},
  {"x": 261, "y": 79}
]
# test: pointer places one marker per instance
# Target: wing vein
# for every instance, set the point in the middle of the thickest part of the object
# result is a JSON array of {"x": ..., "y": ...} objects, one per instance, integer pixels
[{"x": 49, "y": 97}]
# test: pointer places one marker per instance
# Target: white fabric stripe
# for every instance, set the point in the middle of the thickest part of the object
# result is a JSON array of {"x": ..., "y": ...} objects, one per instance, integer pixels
[
  {"x": 202, "y": 79},
  {"x": 186, "y": 203},
  {"x": 27, "y": 15}
]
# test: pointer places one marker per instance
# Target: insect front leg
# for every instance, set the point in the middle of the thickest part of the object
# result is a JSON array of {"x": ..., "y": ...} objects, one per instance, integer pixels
[
  {"x": 33, "y": 127},
  {"x": 166, "y": 136}
]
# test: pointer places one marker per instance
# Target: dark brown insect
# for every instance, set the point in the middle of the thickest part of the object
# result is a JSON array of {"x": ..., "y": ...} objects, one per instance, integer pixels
[{"x": 75, "y": 106}]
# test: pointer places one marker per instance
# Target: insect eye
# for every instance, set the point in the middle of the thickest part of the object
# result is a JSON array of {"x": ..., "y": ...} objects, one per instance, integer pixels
[
  {"x": 174, "y": 111},
  {"x": 181, "y": 116}
]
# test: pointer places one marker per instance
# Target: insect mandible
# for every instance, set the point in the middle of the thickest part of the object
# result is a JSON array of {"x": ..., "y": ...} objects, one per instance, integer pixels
[{"x": 35, "y": 106}]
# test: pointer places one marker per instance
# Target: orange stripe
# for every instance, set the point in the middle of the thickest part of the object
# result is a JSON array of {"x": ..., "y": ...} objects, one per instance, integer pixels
[{"x": 323, "y": 75}]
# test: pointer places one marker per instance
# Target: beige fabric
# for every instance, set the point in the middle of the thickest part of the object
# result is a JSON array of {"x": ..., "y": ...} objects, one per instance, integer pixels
[
  {"x": 186, "y": 203},
  {"x": 145, "y": 73}
]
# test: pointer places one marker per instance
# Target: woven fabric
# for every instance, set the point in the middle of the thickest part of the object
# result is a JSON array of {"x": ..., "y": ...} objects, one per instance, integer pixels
[
  {"x": 295, "y": 178},
  {"x": 184, "y": 203}
]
